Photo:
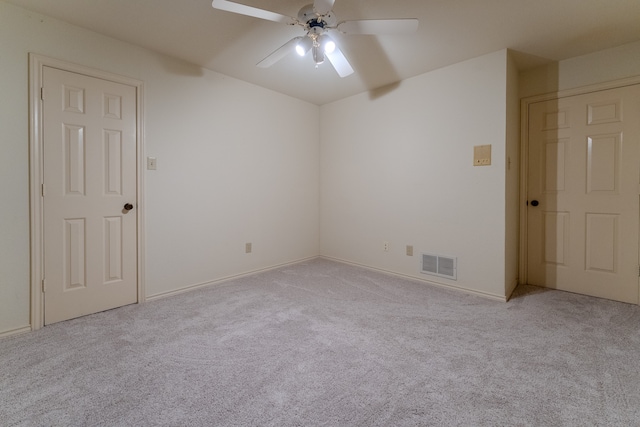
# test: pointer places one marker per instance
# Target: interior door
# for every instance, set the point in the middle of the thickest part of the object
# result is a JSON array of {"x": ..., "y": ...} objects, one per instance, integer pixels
[
  {"x": 89, "y": 169},
  {"x": 583, "y": 187}
]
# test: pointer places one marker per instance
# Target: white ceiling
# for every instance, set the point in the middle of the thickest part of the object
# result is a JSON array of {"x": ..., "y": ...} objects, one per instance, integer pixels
[{"x": 450, "y": 31}]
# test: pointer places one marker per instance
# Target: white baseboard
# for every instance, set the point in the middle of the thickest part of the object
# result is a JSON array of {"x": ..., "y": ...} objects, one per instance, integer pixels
[
  {"x": 17, "y": 331},
  {"x": 512, "y": 287},
  {"x": 223, "y": 279},
  {"x": 487, "y": 295}
]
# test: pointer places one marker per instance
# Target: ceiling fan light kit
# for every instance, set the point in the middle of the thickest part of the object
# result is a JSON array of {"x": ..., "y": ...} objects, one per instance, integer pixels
[
  {"x": 303, "y": 46},
  {"x": 327, "y": 44},
  {"x": 318, "y": 21}
]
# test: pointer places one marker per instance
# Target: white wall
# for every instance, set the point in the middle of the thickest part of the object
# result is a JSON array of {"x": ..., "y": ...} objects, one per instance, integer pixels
[
  {"x": 241, "y": 165},
  {"x": 512, "y": 193},
  {"x": 399, "y": 168},
  {"x": 233, "y": 166},
  {"x": 603, "y": 66}
]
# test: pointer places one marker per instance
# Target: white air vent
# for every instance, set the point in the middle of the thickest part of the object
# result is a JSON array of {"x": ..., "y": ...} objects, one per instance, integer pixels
[{"x": 438, "y": 265}]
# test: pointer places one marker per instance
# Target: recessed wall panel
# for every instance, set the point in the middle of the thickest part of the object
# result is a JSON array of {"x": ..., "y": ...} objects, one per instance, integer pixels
[
  {"x": 73, "y": 99},
  {"x": 604, "y": 112},
  {"x": 113, "y": 248},
  {"x": 602, "y": 242},
  {"x": 553, "y": 166},
  {"x": 556, "y": 119},
  {"x": 603, "y": 164},
  {"x": 74, "y": 158},
  {"x": 113, "y": 162},
  {"x": 74, "y": 256},
  {"x": 556, "y": 237},
  {"x": 112, "y": 106}
]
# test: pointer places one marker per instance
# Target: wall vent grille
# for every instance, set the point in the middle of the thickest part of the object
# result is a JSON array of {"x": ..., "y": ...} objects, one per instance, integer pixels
[{"x": 439, "y": 265}]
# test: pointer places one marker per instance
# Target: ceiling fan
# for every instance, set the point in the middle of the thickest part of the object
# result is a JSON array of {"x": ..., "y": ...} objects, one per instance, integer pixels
[{"x": 319, "y": 21}]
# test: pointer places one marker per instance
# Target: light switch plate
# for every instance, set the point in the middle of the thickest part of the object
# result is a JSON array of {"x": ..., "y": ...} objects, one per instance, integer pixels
[
  {"x": 151, "y": 163},
  {"x": 482, "y": 155}
]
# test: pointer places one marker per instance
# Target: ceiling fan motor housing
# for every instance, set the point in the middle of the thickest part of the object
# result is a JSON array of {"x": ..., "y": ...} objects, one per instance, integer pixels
[{"x": 308, "y": 15}]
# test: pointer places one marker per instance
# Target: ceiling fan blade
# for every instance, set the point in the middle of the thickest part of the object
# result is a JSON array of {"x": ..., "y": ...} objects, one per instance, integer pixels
[
  {"x": 279, "y": 53},
  {"x": 242, "y": 9},
  {"x": 323, "y": 6},
  {"x": 339, "y": 62},
  {"x": 379, "y": 26}
]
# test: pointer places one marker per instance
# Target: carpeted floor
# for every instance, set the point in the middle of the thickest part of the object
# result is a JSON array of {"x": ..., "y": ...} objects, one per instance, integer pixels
[{"x": 327, "y": 344}]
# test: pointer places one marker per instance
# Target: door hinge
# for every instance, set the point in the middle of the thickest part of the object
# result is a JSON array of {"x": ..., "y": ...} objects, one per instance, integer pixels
[
  {"x": 42, "y": 93},
  {"x": 42, "y": 187},
  {"x": 44, "y": 285}
]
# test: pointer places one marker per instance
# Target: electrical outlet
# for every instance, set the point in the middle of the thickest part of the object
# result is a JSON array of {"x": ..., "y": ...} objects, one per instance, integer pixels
[
  {"x": 409, "y": 250},
  {"x": 247, "y": 248},
  {"x": 385, "y": 246}
]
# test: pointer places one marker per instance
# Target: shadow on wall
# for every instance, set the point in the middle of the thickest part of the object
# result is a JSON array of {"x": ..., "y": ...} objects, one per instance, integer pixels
[
  {"x": 537, "y": 76},
  {"x": 179, "y": 67},
  {"x": 370, "y": 62},
  {"x": 383, "y": 90}
]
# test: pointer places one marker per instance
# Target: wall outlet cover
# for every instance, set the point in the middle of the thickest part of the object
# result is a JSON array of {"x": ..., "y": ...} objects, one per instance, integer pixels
[{"x": 482, "y": 155}]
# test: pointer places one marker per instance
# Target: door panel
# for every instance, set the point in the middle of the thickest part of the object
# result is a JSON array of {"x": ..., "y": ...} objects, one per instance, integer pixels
[
  {"x": 89, "y": 146},
  {"x": 584, "y": 163}
]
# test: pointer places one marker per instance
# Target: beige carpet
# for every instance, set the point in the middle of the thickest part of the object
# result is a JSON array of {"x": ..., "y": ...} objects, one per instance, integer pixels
[{"x": 327, "y": 344}]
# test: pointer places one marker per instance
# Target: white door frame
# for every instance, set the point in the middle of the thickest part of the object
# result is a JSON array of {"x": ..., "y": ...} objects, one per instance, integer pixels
[
  {"x": 36, "y": 64},
  {"x": 524, "y": 152}
]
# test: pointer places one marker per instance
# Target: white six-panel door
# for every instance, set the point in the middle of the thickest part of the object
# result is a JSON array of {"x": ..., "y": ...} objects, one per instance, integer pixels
[
  {"x": 584, "y": 177},
  {"x": 89, "y": 169}
]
